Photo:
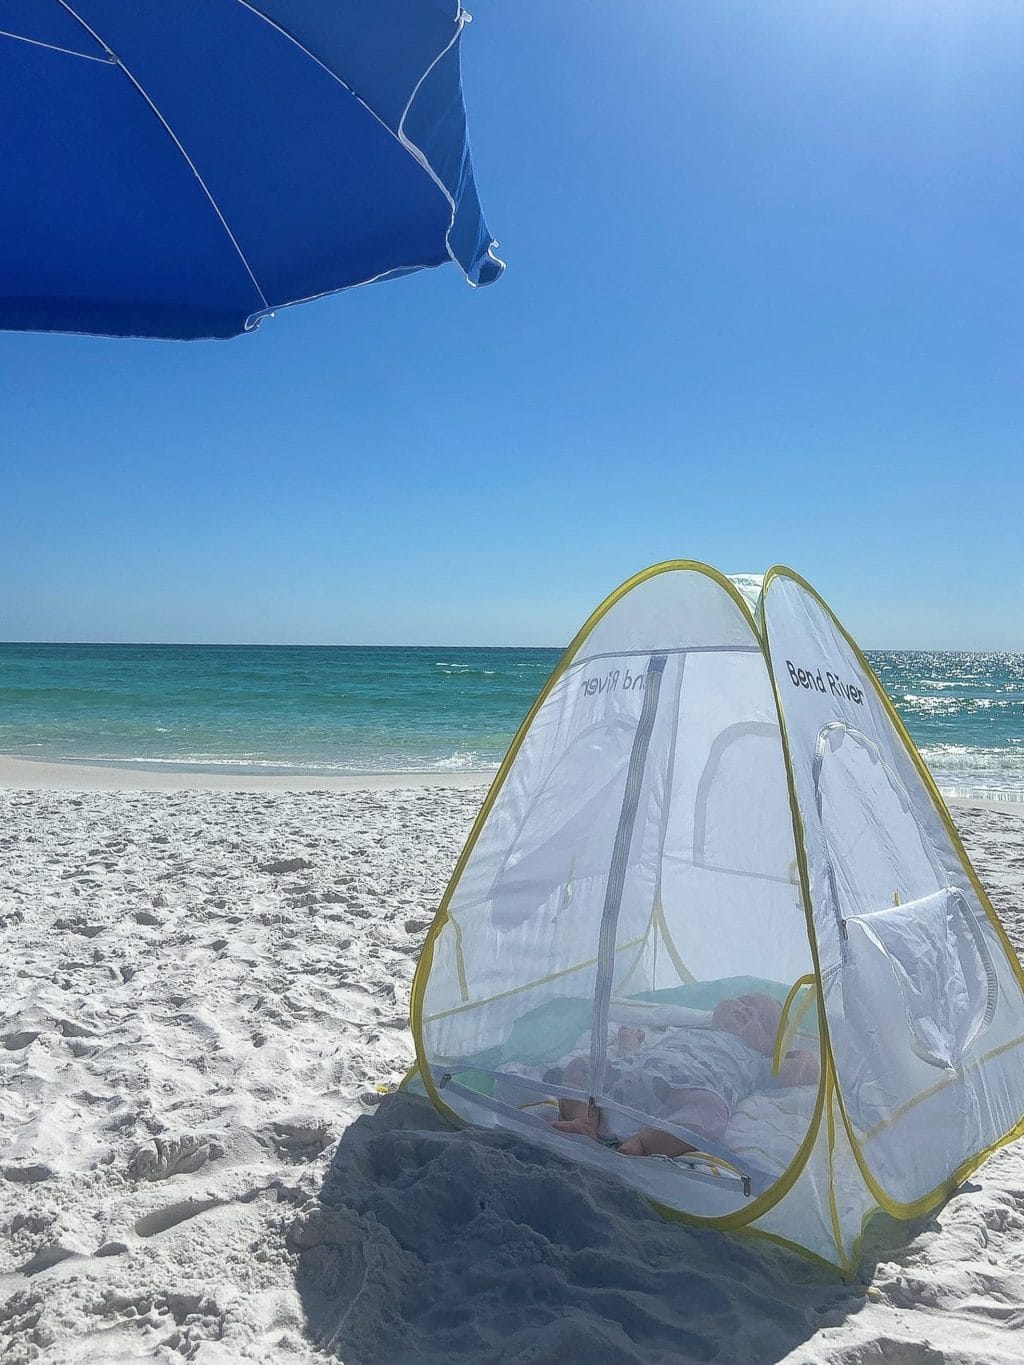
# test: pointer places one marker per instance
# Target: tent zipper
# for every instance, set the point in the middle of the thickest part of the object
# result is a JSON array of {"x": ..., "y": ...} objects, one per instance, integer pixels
[
  {"x": 745, "y": 1170},
  {"x": 617, "y": 874}
]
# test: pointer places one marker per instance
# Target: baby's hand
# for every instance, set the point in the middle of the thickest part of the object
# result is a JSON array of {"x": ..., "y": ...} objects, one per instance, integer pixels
[{"x": 799, "y": 1068}]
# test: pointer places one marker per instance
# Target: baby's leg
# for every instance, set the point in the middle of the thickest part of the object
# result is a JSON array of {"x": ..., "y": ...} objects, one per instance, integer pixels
[
  {"x": 653, "y": 1142},
  {"x": 577, "y": 1116},
  {"x": 700, "y": 1110}
]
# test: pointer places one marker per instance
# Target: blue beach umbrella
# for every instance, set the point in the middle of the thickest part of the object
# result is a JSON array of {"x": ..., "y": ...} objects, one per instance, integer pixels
[{"x": 180, "y": 168}]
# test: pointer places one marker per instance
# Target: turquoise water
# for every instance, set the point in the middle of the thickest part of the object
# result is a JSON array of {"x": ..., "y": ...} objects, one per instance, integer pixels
[
  {"x": 966, "y": 714},
  {"x": 269, "y": 709},
  {"x": 274, "y": 709}
]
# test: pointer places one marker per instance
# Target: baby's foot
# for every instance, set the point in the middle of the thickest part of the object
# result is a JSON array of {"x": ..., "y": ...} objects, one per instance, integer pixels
[
  {"x": 653, "y": 1142},
  {"x": 586, "y": 1126}
]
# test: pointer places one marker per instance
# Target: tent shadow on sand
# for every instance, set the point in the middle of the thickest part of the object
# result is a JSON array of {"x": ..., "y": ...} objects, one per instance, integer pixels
[{"x": 429, "y": 1244}]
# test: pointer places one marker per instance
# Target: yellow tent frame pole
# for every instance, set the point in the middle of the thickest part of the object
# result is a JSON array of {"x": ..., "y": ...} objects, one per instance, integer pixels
[{"x": 788, "y": 1027}]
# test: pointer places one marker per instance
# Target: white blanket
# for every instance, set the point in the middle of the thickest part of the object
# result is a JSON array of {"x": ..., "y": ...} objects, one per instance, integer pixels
[{"x": 768, "y": 1126}]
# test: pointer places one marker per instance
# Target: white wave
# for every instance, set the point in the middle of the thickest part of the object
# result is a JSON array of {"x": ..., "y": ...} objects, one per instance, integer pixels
[
  {"x": 944, "y": 705},
  {"x": 203, "y": 761},
  {"x": 361, "y": 766},
  {"x": 948, "y": 706},
  {"x": 973, "y": 759},
  {"x": 464, "y": 761},
  {"x": 981, "y": 791},
  {"x": 976, "y": 774}
]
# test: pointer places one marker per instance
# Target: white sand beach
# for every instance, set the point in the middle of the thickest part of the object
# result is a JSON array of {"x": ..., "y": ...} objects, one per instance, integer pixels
[{"x": 202, "y": 985}]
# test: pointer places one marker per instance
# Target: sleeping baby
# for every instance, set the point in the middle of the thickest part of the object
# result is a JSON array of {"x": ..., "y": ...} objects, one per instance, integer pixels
[{"x": 692, "y": 1077}]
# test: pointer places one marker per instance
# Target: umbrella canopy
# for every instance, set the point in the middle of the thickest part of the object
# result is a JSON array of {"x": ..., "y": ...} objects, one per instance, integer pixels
[{"x": 180, "y": 168}]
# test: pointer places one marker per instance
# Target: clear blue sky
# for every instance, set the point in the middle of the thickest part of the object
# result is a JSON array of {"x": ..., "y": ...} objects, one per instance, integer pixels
[{"x": 764, "y": 301}]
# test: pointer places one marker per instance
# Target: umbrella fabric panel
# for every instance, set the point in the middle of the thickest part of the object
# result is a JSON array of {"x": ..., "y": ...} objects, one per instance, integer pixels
[
  {"x": 49, "y": 24},
  {"x": 230, "y": 166},
  {"x": 104, "y": 227},
  {"x": 317, "y": 193},
  {"x": 435, "y": 122},
  {"x": 414, "y": 87},
  {"x": 380, "y": 48}
]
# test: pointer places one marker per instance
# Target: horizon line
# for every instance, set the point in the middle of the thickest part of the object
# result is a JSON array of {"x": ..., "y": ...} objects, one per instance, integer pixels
[
  {"x": 252, "y": 644},
  {"x": 234, "y": 644}
]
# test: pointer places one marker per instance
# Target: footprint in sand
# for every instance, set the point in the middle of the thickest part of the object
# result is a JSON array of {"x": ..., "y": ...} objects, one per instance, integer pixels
[
  {"x": 165, "y": 1219},
  {"x": 280, "y": 865},
  {"x": 48, "y": 1256},
  {"x": 298, "y": 1140},
  {"x": 161, "y": 1158},
  {"x": 27, "y": 1174},
  {"x": 14, "y": 1042}
]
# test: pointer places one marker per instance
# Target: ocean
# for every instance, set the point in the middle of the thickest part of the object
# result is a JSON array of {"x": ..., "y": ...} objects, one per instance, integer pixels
[{"x": 353, "y": 710}]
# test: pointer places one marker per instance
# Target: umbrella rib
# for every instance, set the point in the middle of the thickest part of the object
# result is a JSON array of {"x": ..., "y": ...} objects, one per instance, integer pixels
[
  {"x": 419, "y": 155},
  {"x": 114, "y": 58},
  {"x": 403, "y": 141},
  {"x": 53, "y": 47},
  {"x": 415, "y": 152},
  {"x": 400, "y": 136}
]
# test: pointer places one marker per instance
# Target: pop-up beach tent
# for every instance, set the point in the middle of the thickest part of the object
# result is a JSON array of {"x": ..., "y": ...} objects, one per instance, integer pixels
[{"x": 713, "y": 797}]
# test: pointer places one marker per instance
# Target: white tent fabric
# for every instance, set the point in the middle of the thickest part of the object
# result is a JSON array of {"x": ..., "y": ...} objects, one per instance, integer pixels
[{"x": 711, "y": 801}]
